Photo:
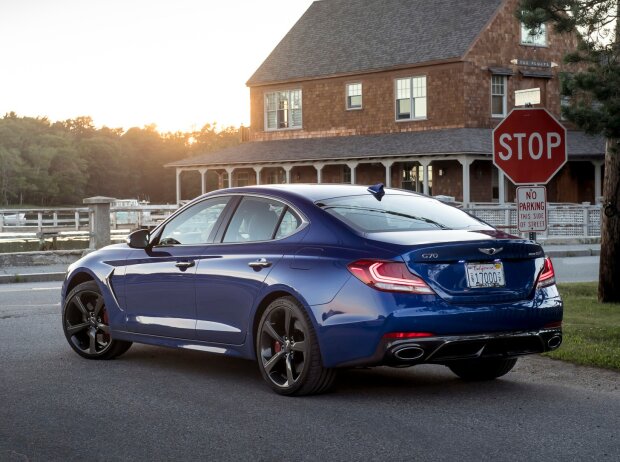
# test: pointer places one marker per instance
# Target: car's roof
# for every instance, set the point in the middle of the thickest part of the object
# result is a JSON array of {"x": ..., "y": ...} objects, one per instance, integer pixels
[{"x": 313, "y": 192}]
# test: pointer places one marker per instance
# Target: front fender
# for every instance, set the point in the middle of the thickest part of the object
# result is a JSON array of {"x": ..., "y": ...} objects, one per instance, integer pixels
[{"x": 107, "y": 274}]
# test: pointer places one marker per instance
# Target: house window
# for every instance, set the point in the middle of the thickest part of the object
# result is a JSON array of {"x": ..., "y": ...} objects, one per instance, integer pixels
[
  {"x": 283, "y": 110},
  {"x": 534, "y": 37},
  {"x": 354, "y": 96},
  {"x": 498, "y": 96},
  {"x": 411, "y": 98}
]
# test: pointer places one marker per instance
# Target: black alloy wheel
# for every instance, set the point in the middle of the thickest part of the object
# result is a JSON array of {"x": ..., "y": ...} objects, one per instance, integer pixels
[
  {"x": 287, "y": 350},
  {"x": 85, "y": 323}
]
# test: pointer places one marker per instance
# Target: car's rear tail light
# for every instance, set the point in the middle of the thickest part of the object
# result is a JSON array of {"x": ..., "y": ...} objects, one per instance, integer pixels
[
  {"x": 547, "y": 276},
  {"x": 406, "y": 335},
  {"x": 388, "y": 276}
]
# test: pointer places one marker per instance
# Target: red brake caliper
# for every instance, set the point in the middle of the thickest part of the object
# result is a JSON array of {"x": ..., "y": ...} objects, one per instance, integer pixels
[{"x": 277, "y": 348}]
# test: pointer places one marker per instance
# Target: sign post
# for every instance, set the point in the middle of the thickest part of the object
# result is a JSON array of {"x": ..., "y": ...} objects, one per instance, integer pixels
[{"x": 529, "y": 146}]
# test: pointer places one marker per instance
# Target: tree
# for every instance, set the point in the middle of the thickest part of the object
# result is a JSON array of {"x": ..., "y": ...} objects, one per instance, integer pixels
[
  {"x": 594, "y": 91},
  {"x": 59, "y": 163}
]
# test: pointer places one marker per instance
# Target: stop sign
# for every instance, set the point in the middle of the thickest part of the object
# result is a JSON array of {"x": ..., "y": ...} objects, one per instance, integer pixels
[{"x": 529, "y": 146}]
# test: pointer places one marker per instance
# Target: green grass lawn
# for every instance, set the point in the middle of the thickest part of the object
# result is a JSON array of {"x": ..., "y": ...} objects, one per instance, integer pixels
[{"x": 591, "y": 329}]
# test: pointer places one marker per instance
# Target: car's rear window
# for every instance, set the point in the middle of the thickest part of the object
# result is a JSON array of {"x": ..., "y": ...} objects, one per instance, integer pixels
[{"x": 398, "y": 213}]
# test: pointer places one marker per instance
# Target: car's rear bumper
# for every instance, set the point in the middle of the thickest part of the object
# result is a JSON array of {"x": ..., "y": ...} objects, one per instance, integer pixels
[
  {"x": 352, "y": 328},
  {"x": 444, "y": 349}
]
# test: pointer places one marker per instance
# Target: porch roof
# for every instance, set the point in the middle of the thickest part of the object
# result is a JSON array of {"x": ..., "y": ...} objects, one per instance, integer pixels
[{"x": 448, "y": 142}]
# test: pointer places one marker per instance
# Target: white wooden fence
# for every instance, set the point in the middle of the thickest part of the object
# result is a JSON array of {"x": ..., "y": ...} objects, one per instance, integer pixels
[
  {"x": 78, "y": 219},
  {"x": 565, "y": 220}
]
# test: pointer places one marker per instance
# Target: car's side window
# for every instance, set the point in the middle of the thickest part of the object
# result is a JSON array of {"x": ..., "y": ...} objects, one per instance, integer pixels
[
  {"x": 290, "y": 222},
  {"x": 255, "y": 219},
  {"x": 195, "y": 224}
]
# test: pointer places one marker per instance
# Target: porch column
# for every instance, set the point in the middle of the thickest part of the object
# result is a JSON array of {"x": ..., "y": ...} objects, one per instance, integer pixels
[
  {"x": 319, "y": 172},
  {"x": 426, "y": 186},
  {"x": 203, "y": 180},
  {"x": 598, "y": 189},
  {"x": 501, "y": 186},
  {"x": 179, "y": 185},
  {"x": 258, "y": 170},
  {"x": 465, "y": 163},
  {"x": 230, "y": 171},
  {"x": 388, "y": 172},
  {"x": 287, "y": 171},
  {"x": 353, "y": 166}
]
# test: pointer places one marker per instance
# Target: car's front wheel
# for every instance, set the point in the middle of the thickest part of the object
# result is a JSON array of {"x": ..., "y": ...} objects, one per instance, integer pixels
[
  {"x": 287, "y": 350},
  {"x": 86, "y": 325},
  {"x": 482, "y": 369}
]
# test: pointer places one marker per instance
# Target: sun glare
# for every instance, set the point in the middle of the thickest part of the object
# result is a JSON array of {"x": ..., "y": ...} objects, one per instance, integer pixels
[{"x": 176, "y": 65}]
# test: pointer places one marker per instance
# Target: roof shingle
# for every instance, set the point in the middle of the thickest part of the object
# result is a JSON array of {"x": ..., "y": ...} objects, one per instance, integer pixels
[
  {"x": 476, "y": 141},
  {"x": 352, "y": 36}
]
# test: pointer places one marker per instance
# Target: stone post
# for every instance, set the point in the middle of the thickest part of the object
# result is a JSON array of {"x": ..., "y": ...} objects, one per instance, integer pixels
[{"x": 99, "y": 211}]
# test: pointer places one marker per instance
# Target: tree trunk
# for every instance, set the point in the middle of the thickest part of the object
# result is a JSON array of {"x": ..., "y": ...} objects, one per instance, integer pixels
[{"x": 609, "y": 271}]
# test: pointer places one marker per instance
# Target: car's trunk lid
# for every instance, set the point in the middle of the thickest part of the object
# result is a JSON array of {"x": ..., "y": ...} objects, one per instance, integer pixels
[{"x": 468, "y": 267}]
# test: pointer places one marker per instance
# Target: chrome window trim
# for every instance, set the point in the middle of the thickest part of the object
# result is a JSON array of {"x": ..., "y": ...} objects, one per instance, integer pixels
[{"x": 304, "y": 220}]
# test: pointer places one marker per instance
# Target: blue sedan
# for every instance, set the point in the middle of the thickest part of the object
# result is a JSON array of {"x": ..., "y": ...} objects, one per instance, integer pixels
[{"x": 307, "y": 279}]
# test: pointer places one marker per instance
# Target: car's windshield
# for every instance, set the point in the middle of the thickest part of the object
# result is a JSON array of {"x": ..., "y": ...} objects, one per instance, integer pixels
[{"x": 398, "y": 213}]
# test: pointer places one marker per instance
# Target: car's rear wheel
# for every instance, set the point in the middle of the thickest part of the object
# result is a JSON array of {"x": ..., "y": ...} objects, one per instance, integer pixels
[
  {"x": 86, "y": 325},
  {"x": 287, "y": 350},
  {"x": 482, "y": 369}
]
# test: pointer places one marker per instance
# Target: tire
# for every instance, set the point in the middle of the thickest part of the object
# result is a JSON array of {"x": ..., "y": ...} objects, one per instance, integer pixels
[
  {"x": 86, "y": 326},
  {"x": 482, "y": 369},
  {"x": 287, "y": 351}
]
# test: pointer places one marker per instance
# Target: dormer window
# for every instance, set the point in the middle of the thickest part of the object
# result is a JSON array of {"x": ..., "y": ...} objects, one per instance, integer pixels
[
  {"x": 534, "y": 37},
  {"x": 283, "y": 110}
]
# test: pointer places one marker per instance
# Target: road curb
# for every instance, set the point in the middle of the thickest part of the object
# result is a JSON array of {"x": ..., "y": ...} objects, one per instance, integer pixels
[
  {"x": 31, "y": 277},
  {"x": 573, "y": 253}
]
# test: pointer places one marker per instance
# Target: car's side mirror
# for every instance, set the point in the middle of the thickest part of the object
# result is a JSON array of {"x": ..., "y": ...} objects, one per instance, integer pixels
[{"x": 138, "y": 239}]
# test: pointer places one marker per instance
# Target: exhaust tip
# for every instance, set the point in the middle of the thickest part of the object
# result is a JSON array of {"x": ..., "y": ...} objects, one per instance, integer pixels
[
  {"x": 409, "y": 353},
  {"x": 554, "y": 342}
]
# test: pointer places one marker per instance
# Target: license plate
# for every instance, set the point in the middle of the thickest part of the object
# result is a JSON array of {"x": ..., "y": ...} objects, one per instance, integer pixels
[{"x": 480, "y": 275}]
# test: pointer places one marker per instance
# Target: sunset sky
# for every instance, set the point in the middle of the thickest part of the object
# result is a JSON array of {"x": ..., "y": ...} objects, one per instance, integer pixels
[{"x": 176, "y": 63}]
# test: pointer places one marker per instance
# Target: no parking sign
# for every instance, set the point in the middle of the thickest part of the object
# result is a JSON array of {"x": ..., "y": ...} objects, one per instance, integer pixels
[{"x": 532, "y": 208}]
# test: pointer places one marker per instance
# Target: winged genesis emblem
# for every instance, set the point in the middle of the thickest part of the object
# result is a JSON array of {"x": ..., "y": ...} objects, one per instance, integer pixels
[{"x": 491, "y": 250}]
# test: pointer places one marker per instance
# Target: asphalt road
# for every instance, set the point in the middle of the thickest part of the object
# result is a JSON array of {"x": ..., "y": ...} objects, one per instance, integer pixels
[
  {"x": 576, "y": 269},
  {"x": 160, "y": 404}
]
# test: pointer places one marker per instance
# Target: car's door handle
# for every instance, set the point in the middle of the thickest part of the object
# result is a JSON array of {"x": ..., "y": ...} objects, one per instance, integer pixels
[
  {"x": 260, "y": 264},
  {"x": 183, "y": 265}
]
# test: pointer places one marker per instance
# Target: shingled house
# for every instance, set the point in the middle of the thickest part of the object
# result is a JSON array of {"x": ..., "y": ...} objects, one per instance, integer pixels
[{"x": 405, "y": 92}]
